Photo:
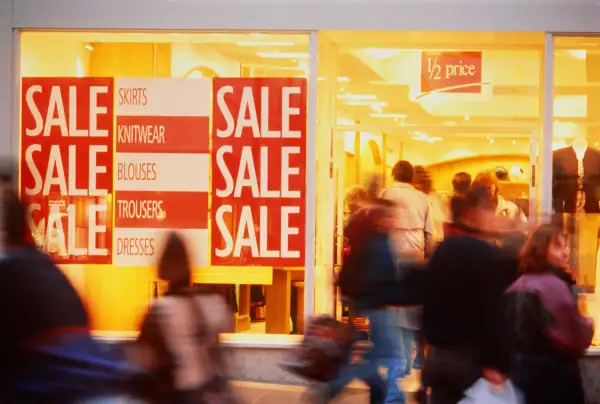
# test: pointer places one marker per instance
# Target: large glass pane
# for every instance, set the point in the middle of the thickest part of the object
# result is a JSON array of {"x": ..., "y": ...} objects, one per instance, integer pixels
[
  {"x": 576, "y": 157},
  {"x": 265, "y": 299},
  {"x": 449, "y": 102}
]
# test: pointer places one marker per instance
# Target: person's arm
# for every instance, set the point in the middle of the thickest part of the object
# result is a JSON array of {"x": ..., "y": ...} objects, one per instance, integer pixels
[
  {"x": 144, "y": 352},
  {"x": 572, "y": 333},
  {"x": 428, "y": 230}
]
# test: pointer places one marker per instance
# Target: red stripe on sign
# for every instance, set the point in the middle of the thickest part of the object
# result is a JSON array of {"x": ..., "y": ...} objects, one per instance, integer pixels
[
  {"x": 161, "y": 210},
  {"x": 162, "y": 134}
]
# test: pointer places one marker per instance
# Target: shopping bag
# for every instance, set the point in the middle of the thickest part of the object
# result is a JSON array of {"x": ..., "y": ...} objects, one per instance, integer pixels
[
  {"x": 325, "y": 350},
  {"x": 483, "y": 392}
]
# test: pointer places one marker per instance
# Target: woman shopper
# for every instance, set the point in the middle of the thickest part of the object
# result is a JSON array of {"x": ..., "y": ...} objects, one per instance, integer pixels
[
  {"x": 179, "y": 339},
  {"x": 549, "y": 335}
]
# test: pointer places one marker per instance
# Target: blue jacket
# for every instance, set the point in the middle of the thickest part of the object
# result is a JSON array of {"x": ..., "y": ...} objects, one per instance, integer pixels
[{"x": 371, "y": 278}]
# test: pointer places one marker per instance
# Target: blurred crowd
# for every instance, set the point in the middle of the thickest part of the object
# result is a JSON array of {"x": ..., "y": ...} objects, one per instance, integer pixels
[
  {"x": 47, "y": 351},
  {"x": 463, "y": 288}
]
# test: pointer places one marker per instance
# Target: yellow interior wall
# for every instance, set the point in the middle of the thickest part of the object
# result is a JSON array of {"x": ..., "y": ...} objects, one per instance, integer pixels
[{"x": 442, "y": 173}]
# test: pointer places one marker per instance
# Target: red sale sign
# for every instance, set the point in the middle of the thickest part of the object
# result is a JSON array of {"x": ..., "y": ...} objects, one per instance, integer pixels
[
  {"x": 258, "y": 172},
  {"x": 67, "y": 166},
  {"x": 451, "y": 72}
]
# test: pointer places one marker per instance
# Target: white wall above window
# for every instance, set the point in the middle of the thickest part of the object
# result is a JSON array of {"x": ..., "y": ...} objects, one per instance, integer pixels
[{"x": 464, "y": 15}]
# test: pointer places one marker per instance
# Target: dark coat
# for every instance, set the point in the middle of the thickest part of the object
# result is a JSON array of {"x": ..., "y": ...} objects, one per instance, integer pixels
[{"x": 564, "y": 180}]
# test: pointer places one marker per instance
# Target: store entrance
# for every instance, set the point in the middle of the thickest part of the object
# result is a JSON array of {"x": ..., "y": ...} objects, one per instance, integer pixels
[{"x": 368, "y": 152}]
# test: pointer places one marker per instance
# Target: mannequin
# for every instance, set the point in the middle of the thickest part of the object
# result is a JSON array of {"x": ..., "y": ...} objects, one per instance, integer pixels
[
  {"x": 580, "y": 145},
  {"x": 576, "y": 178}
]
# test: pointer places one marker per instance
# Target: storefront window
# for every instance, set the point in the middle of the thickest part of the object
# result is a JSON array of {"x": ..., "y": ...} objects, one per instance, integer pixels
[
  {"x": 140, "y": 112},
  {"x": 576, "y": 158},
  {"x": 449, "y": 102}
]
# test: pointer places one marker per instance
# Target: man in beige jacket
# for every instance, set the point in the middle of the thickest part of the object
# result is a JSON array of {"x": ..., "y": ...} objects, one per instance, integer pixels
[{"x": 412, "y": 239}]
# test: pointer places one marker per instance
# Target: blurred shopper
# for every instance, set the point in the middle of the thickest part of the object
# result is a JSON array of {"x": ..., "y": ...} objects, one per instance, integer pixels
[
  {"x": 412, "y": 234},
  {"x": 463, "y": 305},
  {"x": 549, "y": 334},
  {"x": 461, "y": 182},
  {"x": 179, "y": 339},
  {"x": 369, "y": 280},
  {"x": 439, "y": 211},
  {"x": 46, "y": 350},
  {"x": 502, "y": 206},
  {"x": 356, "y": 198},
  {"x": 413, "y": 239},
  {"x": 439, "y": 216}
]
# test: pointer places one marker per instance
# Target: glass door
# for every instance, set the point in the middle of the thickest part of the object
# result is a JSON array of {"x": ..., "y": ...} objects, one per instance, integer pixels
[{"x": 449, "y": 102}]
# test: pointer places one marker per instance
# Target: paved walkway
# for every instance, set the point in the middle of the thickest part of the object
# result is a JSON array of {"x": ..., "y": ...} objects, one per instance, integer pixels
[
  {"x": 258, "y": 393},
  {"x": 263, "y": 393}
]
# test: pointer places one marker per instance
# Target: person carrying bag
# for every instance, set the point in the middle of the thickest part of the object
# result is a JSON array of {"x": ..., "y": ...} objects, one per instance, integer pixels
[{"x": 179, "y": 342}]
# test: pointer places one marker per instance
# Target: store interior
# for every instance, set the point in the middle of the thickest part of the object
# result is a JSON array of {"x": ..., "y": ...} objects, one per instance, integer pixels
[{"x": 372, "y": 112}]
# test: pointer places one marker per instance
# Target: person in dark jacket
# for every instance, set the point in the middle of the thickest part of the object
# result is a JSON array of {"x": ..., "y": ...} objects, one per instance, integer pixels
[
  {"x": 47, "y": 354},
  {"x": 368, "y": 279},
  {"x": 549, "y": 335},
  {"x": 463, "y": 305}
]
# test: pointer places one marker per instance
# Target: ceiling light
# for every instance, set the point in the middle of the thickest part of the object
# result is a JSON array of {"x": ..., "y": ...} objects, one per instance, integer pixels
[
  {"x": 578, "y": 54},
  {"x": 425, "y": 137},
  {"x": 401, "y": 116},
  {"x": 342, "y": 78},
  {"x": 283, "y": 55},
  {"x": 514, "y": 142},
  {"x": 381, "y": 53},
  {"x": 257, "y": 35},
  {"x": 491, "y": 140},
  {"x": 357, "y": 97},
  {"x": 367, "y": 103},
  {"x": 467, "y": 117},
  {"x": 265, "y": 43}
]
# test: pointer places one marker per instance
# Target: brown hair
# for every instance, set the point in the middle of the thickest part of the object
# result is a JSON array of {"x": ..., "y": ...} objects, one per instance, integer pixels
[
  {"x": 461, "y": 182},
  {"x": 422, "y": 180},
  {"x": 174, "y": 263},
  {"x": 534, "y": 254},
  {"x": 489, "y": 180},
  {"x": 14, "y": 218},
  {"x": 477, "y": 197}
]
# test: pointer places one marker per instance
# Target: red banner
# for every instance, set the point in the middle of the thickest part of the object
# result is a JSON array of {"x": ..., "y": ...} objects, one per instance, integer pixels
[
  {"x": 451, "y": 72},
  {"x": 258, "y": 172},
  {"x": 67, "y": 166}
]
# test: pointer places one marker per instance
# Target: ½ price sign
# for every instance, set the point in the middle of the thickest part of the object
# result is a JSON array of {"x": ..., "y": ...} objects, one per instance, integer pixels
[
  {"x": 258, "y": 172},
  {"x": 451, "y": 72}
]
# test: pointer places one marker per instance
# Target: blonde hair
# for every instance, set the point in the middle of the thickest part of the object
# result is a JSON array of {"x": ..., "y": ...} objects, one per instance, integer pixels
[{"x": 355, "y": 197}]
